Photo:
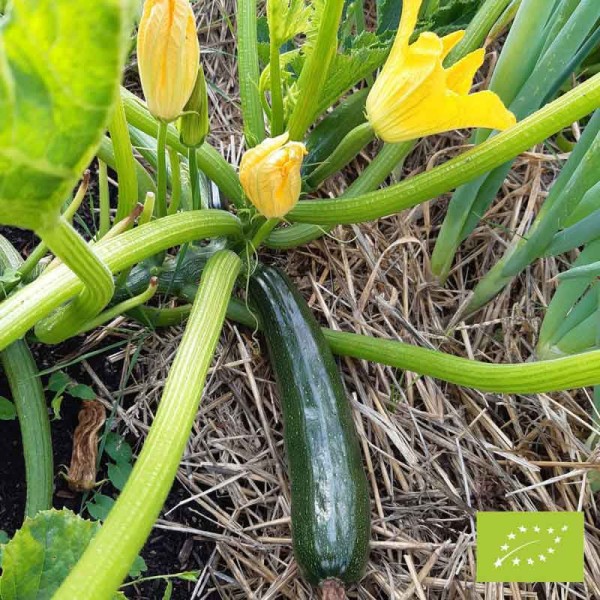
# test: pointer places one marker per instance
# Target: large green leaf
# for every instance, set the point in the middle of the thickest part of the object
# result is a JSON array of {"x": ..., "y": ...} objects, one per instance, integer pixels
[
  {"x": 40, "y": 555},
  {"x": 60, "y": 66}
]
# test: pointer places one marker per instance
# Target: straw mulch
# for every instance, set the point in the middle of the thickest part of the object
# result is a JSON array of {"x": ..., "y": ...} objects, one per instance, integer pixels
[{"x": 435, "y": 453}]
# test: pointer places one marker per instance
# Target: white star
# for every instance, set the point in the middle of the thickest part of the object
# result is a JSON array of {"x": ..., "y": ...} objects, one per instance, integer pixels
[
  {"x": 550, "y": 530},
  {"x": 536, "y": 529},
  {"x": 542, "y": 558},
  {"x": 498, "y": 563},
  {"x": 504, "y": 548},
  {"x": 557, "y": 540},
  {"x": 564, "y": 528},
  {"x": 516, "y": 561},
  {"x": 550, "y": 550},
  {"x": 523, "y": 529},
  {"x": 511, "y": 536},
  {"x": 530, "y": 561}
]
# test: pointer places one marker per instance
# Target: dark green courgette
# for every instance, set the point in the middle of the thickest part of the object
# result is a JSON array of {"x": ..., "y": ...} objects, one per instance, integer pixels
[{"x": 330, "y": 495}]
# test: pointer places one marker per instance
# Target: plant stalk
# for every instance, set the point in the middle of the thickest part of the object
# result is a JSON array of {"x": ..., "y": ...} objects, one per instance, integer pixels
[
  {"x": 23, "y": 309},
  {"x": 104, "y": 564},
  {"x": 71, "y": 248},
  {"x": 125, "y": 161},
  {"x": 475, "y": 162},
  {"x": 161, "y": 171}
]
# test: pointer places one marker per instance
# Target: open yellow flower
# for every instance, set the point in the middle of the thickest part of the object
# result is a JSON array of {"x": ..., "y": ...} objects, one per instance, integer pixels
[
  {"x": 414, "y": 95},
  {"x": 270, "y": 175},
  {"x": 168, "y": 56}
]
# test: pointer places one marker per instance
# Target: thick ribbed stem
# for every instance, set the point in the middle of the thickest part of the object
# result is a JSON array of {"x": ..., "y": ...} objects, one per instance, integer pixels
[
  {"x": 20, "y": 311},
  {"x": 107, "y": 559},
  {"x": 494, "y": 152},
  {"x": 71, "y": 248}
]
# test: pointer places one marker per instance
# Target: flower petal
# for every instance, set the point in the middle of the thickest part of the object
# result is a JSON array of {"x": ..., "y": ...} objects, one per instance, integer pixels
[
  {"x": 460, "y": 75},
  {"x": 451, "y": 40},
  {"x": 408, "y": 22},
  {"x": 437, "y": 114}
]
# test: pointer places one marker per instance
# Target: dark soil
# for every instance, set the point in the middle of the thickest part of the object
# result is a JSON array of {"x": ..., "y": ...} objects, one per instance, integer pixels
[{"x": 165, "y": 552}]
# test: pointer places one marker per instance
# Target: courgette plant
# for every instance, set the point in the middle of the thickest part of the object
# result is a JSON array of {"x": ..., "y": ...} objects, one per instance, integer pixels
[{"x": 61, "y": 64}]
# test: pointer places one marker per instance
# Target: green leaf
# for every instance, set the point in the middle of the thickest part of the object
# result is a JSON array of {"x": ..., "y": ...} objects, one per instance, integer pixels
[
  {"x": 81, "y": 391},
  {"x": 118, "y": 474},
  {"x": 117, "y": 448},
  {"x": 58, "y": 382},
  {"x": 100, "y": 506},
  {"x": 8, "y": 412},
  {"x": 60, "y": 66},
  {"x": 41, "y": 554},
  {"x": 287, "y": 19},
  {"x": 168, "y": 590},
  {"x": 138, "y": 567},
  {"x": 388, "y": 15},
  {"x": 364, "y": 54},
  {"x": 450, "y": 16}
]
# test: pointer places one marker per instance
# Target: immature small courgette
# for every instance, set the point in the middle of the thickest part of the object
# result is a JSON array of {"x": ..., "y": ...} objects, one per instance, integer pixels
[{"x": 330, "y": 497}]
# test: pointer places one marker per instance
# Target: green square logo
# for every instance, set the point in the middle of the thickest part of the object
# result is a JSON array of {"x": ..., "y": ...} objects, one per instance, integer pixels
[{"x": 530, "y": 546}]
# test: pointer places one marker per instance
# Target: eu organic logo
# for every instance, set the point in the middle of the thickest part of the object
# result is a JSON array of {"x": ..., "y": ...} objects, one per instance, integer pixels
[{"x": 530, "y": 546}]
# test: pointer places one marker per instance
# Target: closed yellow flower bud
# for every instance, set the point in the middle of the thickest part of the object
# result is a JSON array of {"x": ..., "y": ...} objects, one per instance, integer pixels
[
  {"x": 168, "y": 56},
  {"x": 270, "y": 175},
  {"x": 414, "y": 95}
]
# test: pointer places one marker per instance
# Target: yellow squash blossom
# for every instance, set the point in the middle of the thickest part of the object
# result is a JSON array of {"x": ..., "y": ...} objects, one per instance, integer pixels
[
  {"x": 270, "y": 175},
  {"x": 168, "y": 56},
  {"x": 414, "y": 95}
]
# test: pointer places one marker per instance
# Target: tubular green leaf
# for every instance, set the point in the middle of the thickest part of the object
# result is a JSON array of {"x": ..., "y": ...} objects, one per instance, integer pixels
[{"x": 106, "y": 563}]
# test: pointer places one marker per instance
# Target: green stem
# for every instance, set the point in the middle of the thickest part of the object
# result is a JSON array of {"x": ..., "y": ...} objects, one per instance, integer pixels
[
  {"x": 145, "y": 183},
  {"x": 478, "y": 29},
  {"x": 175, "y": 182},
  {"x": 28, "y": 395},
  {"x": 161, "y": 171},
  {"x": 526, "y": 378},
  {"x": 125, "y": 161},
  {"x": 276, "y": 96},
  {"x": 347, "y": 149},
  {"x": 119, "y": 309},
  {"x": 105, "y": 564},
  {"x": 315, "y": 70},
  {"x": 249, "y": 73},
  {"x": 194, "y": 179},
  {"x": 389, "y": 158},
  {"x": 70, "y": 247},
  {"x": 42, "y": 249},
  {"x": 104, "y": 199},
  {"x": 23, "y": 309},
  {"x": 263, "y": 231},
  {"x": 494, "y": 152},
  {"x": 209, "y": 160}
]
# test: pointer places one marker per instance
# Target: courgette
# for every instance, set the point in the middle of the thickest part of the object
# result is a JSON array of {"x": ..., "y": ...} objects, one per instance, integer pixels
[{"x": 329, "y": 490}]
